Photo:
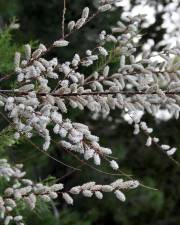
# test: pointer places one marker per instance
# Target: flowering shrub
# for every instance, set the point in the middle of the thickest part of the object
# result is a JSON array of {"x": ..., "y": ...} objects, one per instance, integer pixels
[{"x": 46, "y": 90}]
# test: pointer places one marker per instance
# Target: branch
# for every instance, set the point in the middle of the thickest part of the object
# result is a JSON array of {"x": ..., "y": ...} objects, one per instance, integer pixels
[
  {"x": 63, "y": 18},
  {"x": 21, "y": 93}
]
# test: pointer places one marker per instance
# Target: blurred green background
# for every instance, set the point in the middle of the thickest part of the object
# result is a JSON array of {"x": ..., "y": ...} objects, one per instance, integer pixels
[{"x": 40, "y": 21}]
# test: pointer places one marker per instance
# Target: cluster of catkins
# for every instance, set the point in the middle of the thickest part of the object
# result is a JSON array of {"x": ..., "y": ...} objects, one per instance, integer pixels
[
  {"x": 22, "y": 190},
  {"x": 142, "y": 84}
]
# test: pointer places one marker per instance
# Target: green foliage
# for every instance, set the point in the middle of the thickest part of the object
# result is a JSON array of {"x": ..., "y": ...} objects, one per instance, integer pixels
[
  {"x": 8, "y": 47},
  {"x": 7, "y": 50},
  {"x": 7, "y": 139},
  {"x": 8, "y": 8},
  {"x": 48, "y": 215}
]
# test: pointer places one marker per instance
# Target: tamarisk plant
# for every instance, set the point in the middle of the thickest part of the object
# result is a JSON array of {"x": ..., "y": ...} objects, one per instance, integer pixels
[
  {"x": 137, "y": 84},
  {"x": 26, "y": 191}
]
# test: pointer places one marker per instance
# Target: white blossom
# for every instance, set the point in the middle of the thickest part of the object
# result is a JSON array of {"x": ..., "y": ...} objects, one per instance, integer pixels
[
  {"x": 114, "y": 165},
  {"x": 120, "y": 195},
  {"x": 61, "y": 43},
  {"x": 67, "y": 198},
  {"x": 104, "y": 8}
]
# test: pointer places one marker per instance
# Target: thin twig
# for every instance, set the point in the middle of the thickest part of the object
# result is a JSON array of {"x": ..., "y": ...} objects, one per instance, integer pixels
[
  {"x": 63, "y": 19},
  {"x": 121, "y": 173},
  {"x": 21, "y": 93}
]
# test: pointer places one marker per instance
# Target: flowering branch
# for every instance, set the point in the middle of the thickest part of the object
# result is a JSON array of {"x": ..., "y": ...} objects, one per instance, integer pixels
[
  {"x": 20, "y": 93},
  {"x": 131, "y": 86}
]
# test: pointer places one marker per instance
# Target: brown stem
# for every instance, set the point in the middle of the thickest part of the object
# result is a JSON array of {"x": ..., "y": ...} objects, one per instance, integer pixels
[{"x": 21, "y": 93}]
